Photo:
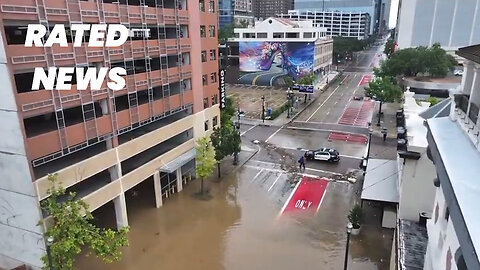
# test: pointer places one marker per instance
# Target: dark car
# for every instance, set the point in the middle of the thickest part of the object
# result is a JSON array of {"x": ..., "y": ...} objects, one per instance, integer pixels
[{"x": 325, "y": 154}]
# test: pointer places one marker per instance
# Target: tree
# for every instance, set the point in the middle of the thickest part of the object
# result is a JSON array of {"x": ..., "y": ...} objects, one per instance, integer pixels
[
  {"x": 432, "y": 100},
  {"x": 345, "y": 46},
  {"x": 307, "y": 79},
  {"x": 205, "y": 160},
  {"x": 72, "y": 231},
  {"x": 225, "y": 32},
  {"x": 383, "y": 90},
  {"x": 389, "y": 47},
  {"x": 288, "y": 81}
]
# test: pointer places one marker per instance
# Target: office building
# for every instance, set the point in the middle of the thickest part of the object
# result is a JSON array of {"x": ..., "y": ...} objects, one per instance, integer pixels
[
  {"x": 235, "y": 13},
  {"x": 336, "y": 23},
  {"x": 452, "y": 23},
  {"x": 263, "y": 9},
  {"x": 102, "y": 143}
]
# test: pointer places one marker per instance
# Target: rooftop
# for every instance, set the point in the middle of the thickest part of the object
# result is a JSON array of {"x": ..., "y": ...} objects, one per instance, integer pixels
[
  {"x": 462, "y": 170},
  {"x": 416, "y": 131},
  {"x": 471, "y": 53},
  {"x": 412, "y": 245}
]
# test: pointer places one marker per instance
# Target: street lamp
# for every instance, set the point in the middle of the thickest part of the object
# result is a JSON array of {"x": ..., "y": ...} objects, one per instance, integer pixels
[
  {"x": 236, "y": 128},
  {"x": 370, "y": 131},
  {"x": 349, "y": 231},
  {"x": 263, "y": 109},
  {"x": 50, "y": 240},
  {"x": 289, "y": 101}
]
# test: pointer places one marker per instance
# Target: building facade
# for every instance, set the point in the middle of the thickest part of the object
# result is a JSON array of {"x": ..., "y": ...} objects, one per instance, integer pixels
[
  {"x": 233, "y": 13},
  {"x": 277, "y": 47},
  {"x": 453, "y": 24},
  {"x": 263, "y": 9},
  {"x": 102, "y": 143},
  {"x": 454, "y": 230},
  {"x": 336, "y": 23}
]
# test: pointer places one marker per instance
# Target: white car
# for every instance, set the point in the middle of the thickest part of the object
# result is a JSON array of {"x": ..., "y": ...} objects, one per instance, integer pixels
[{"x": 458, "y": 72}]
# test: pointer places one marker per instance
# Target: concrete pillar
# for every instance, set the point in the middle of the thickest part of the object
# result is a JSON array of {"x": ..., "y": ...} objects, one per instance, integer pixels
[
  {"x": 179, "y": 179},
  {"x": 475, "y": 92},
  {"x": 104, "y": 106},
  {"x": 158, "y": 189},
  {"x": 467, "y": 78},
  {"x": 121, "y": 211},
  {"x": 453, "y": 115}
]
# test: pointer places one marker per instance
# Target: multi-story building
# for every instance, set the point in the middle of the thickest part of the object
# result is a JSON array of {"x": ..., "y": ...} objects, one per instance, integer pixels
[
  {"x": 453, "y": 24},
  {"x": 454, "y": 230},
  {"x": 372, "y": 7},
  {"x": 277, "y": 47},
  {"x": 234, "y": 13},
  {"x": 101, "y": 143},
  {"x": 336, "y": 23},
  {"x": 263, "y": 9}
]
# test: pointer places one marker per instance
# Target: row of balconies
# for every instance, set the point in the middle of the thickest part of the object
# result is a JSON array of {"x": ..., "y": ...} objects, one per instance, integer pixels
[
  {"x": 41, "y": 101},
  {"x": 57, "y": 11},
  {"x": 23, "y": 58},
  {"x": 49, "y": 142}
]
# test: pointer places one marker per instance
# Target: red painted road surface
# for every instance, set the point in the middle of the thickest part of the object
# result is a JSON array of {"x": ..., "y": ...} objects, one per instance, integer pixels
[
  {"x": 358, "y": 113},
  {"x": 307, "y": 196},
  {"x": 365, "y": 79},
  {"x": 347, "y": 137}
]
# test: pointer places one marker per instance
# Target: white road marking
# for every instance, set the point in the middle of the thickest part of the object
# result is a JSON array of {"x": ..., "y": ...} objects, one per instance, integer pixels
[
  {"x": 255, "y": 177},
  {"x": 243, "y": 133},
  {"x": 323, "y": 196},
  {"x": 333, "y": 92},
  {"x": 275, "y": 133},
  {"x": 289, "y": 198},
  {"x": 322, "y": 171},
  {"x": 307, "y": 168},
  {"x": 303, "y": 149},
  {"x": 274, "y": 182}
]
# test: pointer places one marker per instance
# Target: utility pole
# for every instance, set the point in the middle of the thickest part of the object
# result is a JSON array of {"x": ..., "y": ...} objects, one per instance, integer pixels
[{"x": 263, "y": 109}]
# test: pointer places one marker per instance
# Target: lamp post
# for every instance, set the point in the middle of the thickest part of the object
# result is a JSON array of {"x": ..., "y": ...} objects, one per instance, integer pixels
[
  {"x": 370, "y": 131},
  {"x": 236, "y": 127},
  {"x": 49, "y": 255},
  {"x": 349, "y": 231},
  {"x": 289, "y": 101},
  {"x": 263, "y": 109}
]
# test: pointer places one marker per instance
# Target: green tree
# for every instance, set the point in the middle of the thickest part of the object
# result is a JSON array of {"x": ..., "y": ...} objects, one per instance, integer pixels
[
  {"x": 307, "y": 79},
  {"x": 345, "y": 46},
  {"x": 439, "y": 62},
  {"x": 205, "y": 160},
  {"x": 432, "y": 100},
  {"x": 225, "y": 32},
  {"x": 389, "y": 47},
  {"x": 72, "y": 231},
  {"x": 288, "y": 81},
  {"x": 384, "y": 90}
]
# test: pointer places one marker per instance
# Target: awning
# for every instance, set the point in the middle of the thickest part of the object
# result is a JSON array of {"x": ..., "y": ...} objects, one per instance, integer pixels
[
  {"x": 380, "y": 182},
  {"x": 179, "y": 161}
]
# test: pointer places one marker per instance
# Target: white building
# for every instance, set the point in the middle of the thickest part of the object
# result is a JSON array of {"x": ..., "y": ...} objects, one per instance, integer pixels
[
  {"x": 284, "y": 30},
  {"x": 454, "y": 144},
  {"x": 336, "y": 23},
  {"x": 452, "y": 23}
]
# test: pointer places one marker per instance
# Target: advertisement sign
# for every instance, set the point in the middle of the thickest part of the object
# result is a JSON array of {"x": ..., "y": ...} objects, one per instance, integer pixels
[
  {"x": 306, "y": 89},
  {"x": 221, "y": 89},
  {"x": 269, "y": 59}
]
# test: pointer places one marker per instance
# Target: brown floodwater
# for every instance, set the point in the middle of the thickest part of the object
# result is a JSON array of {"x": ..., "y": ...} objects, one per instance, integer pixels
[{"x": 239, "y": 228}]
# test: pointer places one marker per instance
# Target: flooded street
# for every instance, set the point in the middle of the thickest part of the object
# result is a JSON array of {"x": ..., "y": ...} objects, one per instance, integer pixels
[{"x": 239, "y": 228}]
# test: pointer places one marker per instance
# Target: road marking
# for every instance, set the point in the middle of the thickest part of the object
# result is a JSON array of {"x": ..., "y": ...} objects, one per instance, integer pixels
[
  {"x": 273, "y": 134},
  {"x": 303, "y": 149},
  {"x": 255, "y": 79},
  {"x": 283, "y": 171},
  {"x": 274, "y": 182},
  {"x": 322, "y": 171},
  {"x": 308, "y": 119},
  {"x": 243, "y": 133},
  {"x": 307, "y": 168},
  {"x": 255, "y": 177},
  {"x": 288, "y": 199}
]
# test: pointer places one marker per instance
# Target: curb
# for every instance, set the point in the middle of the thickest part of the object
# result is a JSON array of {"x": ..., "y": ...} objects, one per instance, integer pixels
[{"x": 248, "y": 159}]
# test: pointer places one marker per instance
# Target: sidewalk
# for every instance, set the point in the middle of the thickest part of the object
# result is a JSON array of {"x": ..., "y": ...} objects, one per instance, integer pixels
[
  {"x": 282, "y": 119},
  {"x": 248, "y": 150}
]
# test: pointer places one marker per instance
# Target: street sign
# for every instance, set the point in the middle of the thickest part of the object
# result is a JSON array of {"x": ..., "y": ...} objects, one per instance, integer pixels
[
  {"x": 221, "y": 89},
  {"x": 307, "y": 89}
]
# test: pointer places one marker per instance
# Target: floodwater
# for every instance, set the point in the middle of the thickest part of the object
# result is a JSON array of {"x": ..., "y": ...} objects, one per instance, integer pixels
[{"x": 239, "y": 228}]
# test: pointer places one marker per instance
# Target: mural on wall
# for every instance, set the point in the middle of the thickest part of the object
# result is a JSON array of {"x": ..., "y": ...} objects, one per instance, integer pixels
[{"x": 262, "y": 61}]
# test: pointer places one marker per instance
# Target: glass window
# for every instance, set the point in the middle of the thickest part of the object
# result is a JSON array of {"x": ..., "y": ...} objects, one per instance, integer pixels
[
  {"x": 202, "y": 5},
  {"x": 205, "y": 103},
  {"x": 202, "y": 31},
  {"x": 211, "y": 31},
  {"x": 215, "y": 99},
  {"x": 213, "y": 55},
  {"x": 261, "y": 35},
  {"x": 204, "y": 56},
  {"x": 204, "y": 79},
  {"x": 213, "y": 77},
  {"x": 206, "y": 125},
  {"x": 278, "y": 35},
  {"x": 215, "y": 121},
  {"x": 211, "y": 7}
]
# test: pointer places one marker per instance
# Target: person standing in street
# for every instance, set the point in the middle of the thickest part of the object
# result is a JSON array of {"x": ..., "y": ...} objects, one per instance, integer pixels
[{"x": 301, "y": 161}]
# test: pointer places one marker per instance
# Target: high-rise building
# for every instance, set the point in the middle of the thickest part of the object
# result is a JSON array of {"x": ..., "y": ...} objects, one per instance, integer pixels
[
  {"x": 239, "y": 12},
  {"x": 263, "y": 9},
  {"x": 372, "y": 7},
  {"x": 345, "y": 24},
  {"x": 102, "y": 143},
  {"x": 453, "y": 24}
]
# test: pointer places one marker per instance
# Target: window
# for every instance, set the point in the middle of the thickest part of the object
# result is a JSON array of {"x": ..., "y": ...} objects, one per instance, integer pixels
[
  {"x": 292, "y": 35},
  {"x": 213, "y": 55},
  {"x": 205, "y": 103},
  {"x": 204, "y": 56},
  {"x": 202, "y": 31},
  {"x": 307, "y": 35},
  {"x": 206, "y": 125},
  {"x": 211, "y": 31},
  {"x": 213, "y": 77},
  {"x": 215, "y": 121},
  {"x": 248, "y": 35},
  {"x": 202, "y": 5},
  {"x": 215, "y": 99},
  {"x": 278, "y": 35},
  {"x": 261, "y": 35},
  {"x": 211, "y": 7},
  {"x": 204, "y": 80}
]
